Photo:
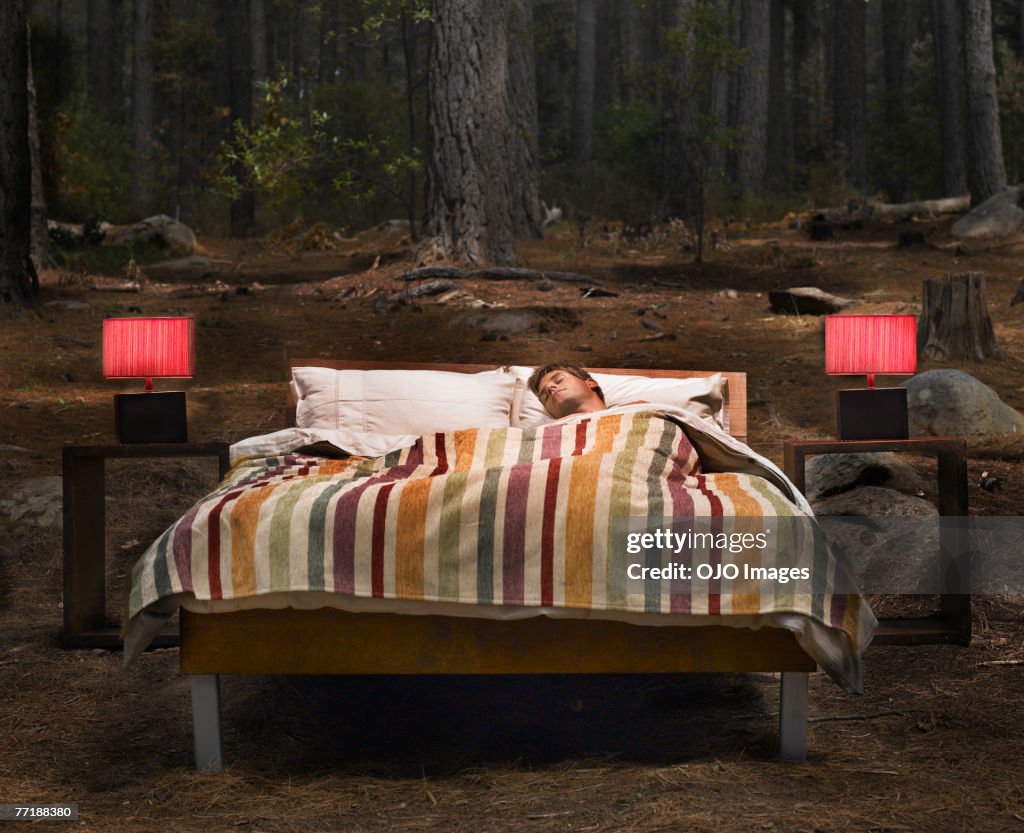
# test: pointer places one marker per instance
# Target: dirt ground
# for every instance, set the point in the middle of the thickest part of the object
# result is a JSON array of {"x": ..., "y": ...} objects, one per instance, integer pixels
[{"x": 935, "y": 743}]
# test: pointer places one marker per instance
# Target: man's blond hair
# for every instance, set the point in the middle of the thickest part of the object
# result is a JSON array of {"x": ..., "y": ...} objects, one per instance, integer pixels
[{"x": 574, "y": 370}]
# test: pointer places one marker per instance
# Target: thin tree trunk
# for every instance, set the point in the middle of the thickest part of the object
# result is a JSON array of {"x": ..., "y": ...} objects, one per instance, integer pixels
[
  {"x": 583, "y": 99},
  {"x": 950, "y": 83},
  {"x": 104, "y": 50},
  {"x": 239, "y": 58},
  {"x": 468, "y": 163},
  {"x": 329, "y": 42},
  {"x": 39, "y": 234},
  {"x": 849, "y": 107},
  {"x": 258, "y": 22},
  {"x": 752, "y": 101},
  {"x": 986, "y": 171},
  {"x": 896, "y": 41},
  {"x": 720, "y": 76},
  {"x": 803, "y": 74},
  {"x": 18, "y": 284},
  {"x": 778, "y": 97},
  {"x": 954, "y": 324},
  {"x": 142, "y": 109}
]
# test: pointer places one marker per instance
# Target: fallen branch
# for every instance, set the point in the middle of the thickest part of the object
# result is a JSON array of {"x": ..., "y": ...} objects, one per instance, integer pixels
[
  {"x": 886, "y": 713},
  {"x": 1002, "y": 662},
  {"x": 494, "y": 273}
]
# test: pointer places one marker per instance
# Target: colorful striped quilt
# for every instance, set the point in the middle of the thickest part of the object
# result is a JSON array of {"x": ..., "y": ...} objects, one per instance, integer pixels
[{"x": 550, "y": 516}]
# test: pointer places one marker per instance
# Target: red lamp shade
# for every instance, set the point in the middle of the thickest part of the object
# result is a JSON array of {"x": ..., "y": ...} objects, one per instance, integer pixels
[
  {"x": 148, "y": 348},
  {"x": 868, "y": 344}
]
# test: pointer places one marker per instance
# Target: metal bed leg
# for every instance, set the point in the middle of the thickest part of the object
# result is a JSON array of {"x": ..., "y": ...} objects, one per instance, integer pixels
[
  {"x": 206, "y": 721},
  {"x": 793, "y": 716}
]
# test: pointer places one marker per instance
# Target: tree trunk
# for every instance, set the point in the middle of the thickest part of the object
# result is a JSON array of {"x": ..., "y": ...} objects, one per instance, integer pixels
[
  {"x": 258, "y": 24},
  {"x": 583, "y": 99},
  {"x": 39, "y": 235},
  {"x": 779, "y": 132},
  {"x": 806, "y": 67},
  {"x": 752, "y": 96},
  {"x": 896, "y": 41},
  {"x": 522, "y": 99},
  {"x": 949, "y": 78},
  {"x": 720, "y": 78},
  {"x": 238, "y": 40},
  {"x": 986, "y": 171},
  {"x": 18, "y": 284},
  {"x": 142, "y": 109},
  {"x": 849, "y": 110},
  {"x": 104, "y": 51},
  {"x": 328, "y": 68},
  {"x": 954, "y": 324},
  {"x": 470, "y": 159}
]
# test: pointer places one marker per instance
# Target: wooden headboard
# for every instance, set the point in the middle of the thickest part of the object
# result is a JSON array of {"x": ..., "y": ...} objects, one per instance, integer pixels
[{"x": 735, "y": 388}]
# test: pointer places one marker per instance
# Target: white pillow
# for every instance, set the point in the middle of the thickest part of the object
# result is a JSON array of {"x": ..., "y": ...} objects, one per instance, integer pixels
[
  {"x": 402, "y": 401},
  {"x": 703, "y": 395}
]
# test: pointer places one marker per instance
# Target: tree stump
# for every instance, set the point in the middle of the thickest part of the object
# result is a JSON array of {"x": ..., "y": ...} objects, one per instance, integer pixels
[{"x": 954, "y": 323}]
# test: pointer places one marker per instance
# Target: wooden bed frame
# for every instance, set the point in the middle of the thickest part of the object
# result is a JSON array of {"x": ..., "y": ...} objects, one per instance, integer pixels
[{"x": 330, "y": 641}]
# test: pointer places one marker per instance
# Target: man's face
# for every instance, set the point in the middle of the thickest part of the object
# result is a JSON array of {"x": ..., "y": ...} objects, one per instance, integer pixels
[{"x": 562, "y": 394}]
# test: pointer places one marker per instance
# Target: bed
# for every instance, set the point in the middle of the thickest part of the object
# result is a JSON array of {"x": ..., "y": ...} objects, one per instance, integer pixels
[{"x": 483, "y": 592}]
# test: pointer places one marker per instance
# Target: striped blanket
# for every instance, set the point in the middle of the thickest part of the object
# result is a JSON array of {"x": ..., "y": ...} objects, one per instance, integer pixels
[{"x": 553, "y": 516}]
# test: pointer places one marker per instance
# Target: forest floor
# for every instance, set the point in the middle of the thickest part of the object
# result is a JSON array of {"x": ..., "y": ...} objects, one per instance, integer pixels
[{"x": 936, "y": 742}]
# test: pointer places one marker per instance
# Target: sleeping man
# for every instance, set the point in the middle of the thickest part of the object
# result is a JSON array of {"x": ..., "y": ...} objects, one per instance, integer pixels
[{"x": 565, "y": 389}]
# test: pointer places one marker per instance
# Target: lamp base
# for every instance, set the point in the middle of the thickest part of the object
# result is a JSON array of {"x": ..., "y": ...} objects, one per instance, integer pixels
[
  {"x": 151, "y": 417},
  {"x": 872, "y": 414}
]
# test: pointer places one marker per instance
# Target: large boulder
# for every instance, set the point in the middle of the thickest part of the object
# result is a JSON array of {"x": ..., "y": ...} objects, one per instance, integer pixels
[
  {"x": 177, "y": 238},
  {"x": 1001, "y": 215},
  {"x": 951, "y": 403},
  {"x": 832, "y": 474}
]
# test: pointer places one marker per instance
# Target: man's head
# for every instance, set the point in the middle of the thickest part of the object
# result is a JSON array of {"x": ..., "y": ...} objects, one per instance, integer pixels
[{"x": 565, "y": 389}]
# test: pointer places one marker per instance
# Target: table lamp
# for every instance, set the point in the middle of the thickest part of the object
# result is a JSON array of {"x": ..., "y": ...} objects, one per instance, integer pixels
[
  {"x": 858, "y": 345},
  {"x": 149, "y": 348}
]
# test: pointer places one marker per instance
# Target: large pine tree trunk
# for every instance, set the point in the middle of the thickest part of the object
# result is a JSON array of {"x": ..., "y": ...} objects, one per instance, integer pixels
[
  {"x": 986, "y": 171},
  {"x": 18, "y": 285},
  {"x": 779, "y": 127},
  {"x": 104, "y": 51},
  {"x": 239, "y": 58},
  {"x": 752, "y": 96},
  {"x": 954, "y": 324},
  {"x": 849, "y": 109},
  {"x": 806, "y": 67},
  {"x": 471, "y": 159},
  {"x": 142, "y": 106},
  {"x": 39, "y": 236},
  {"x": 258, "y": 28},
  {"x": 949, "y": 78},
  {"x": 583, "y": 99},
  {"x": 896, "y": 43},
  {"x": 522, "y": 99}
]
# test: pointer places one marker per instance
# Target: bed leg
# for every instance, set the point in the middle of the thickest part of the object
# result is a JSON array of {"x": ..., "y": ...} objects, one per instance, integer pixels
[
  {"x": 206, "y": 721},
  {"x": 793, "y": 716}
]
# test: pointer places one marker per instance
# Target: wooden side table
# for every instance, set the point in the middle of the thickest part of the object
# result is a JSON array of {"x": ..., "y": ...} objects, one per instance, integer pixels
[
  {"x": 85, "y": 616},
  {"x": 953, "y": 622}
]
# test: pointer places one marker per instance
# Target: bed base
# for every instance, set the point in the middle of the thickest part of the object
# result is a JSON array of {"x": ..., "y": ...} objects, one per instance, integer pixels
[{"x": 328, "y": 641}]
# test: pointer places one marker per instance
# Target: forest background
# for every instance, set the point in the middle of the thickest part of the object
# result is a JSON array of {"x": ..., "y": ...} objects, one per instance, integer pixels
[{"x": 239, "y": 117}]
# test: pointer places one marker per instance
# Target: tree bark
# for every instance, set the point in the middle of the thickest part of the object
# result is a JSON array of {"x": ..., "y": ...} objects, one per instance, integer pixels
[
  {"x": 583, "y": 99},
  {"x": 39, "y": 235},
  {"x": 949, "y": 79},
  {"x": 238, "y": 40},
  {"x": 471, "y": 150},
  {"x": 986, "y": 171},
  {"x": 849, "y": 109},
  {"x": 258, "y": 23},
  {"x": 142, "y": 106},
  {"x": 752, "y": 100},
  {"x": 779, "y": 127},
  {"x": 896, "y": 42},
  {"x": 522, "y": 99},
  {"x": 954, "y": 324},
  {"x": 806, "y": 66},
  {"x": 104, "y": 52},
  {"x": 18, "y": 284},
  {"x": 329, "y": 33}
]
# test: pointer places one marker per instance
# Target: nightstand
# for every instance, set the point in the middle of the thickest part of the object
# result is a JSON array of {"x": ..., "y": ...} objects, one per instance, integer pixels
[
  {"x": 953, "y": 621},
  {"x": 85, "y": 616}
]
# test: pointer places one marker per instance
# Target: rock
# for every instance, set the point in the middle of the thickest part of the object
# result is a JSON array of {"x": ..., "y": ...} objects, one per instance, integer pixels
[
  {"x": 37, "y": 501},
  {"x": 832, "y": 474},
  {"x": 806, "y": 300},
  {"x": 68, "y": 306},
  {"x": 888, "y": 541},
  {"x": 875, "y": 502},
  {"x": 1000, "y": 215},
  {"x": 952, "y": 403},
  {"x": 176, "y": 237},
  {"x": 513, "y": 322}
]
